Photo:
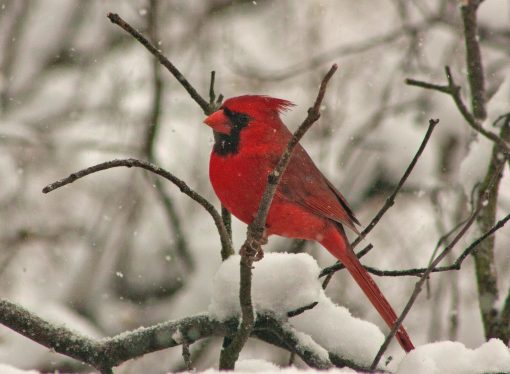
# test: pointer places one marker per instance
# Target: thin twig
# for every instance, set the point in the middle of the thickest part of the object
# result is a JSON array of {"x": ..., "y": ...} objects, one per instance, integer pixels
[
  {"x": 131, "y": 162},
  {"x": 116, "y": 19},
  {"x": 301, "y": 310},
  {"x": 390, "y": 201},
  {"x": 419, "y": 285},
  {"x": 212, "y": 94},
  {"x": 226, "y": 217},
  {"x": 339, "y": 266},
  {"x": 256, "y": 228}
]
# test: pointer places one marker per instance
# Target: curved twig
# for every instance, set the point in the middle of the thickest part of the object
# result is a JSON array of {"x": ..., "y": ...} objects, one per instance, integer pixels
[{"x": 131, "y": 162}]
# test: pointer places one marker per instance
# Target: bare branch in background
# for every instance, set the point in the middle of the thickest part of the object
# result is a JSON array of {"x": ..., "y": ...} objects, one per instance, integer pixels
[{"x": 116, "y": 19}]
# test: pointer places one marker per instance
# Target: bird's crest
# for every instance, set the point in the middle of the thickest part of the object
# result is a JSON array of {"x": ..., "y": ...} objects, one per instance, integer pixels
[{"x": 257, "y": 103}]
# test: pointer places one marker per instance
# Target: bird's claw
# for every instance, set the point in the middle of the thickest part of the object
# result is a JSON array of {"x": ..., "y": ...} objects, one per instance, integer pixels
[{"x": 252, "y": 249}]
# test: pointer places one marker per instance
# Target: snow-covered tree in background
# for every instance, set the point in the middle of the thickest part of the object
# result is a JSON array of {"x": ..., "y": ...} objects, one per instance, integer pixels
[{"x": 123, "y": 249}]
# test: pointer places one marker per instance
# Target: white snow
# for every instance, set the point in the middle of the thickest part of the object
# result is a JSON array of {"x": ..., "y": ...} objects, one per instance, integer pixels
[
  {"x": 474, "y": 166},
  {"x": 306, "y": 341},
  {"x": 255, "y": 365},
  {"x": 334, "y": 328},
  {"x": 281, "y": 283},
  {"x": 498, "y": 103},
  {"x": 454, "y": 358}
]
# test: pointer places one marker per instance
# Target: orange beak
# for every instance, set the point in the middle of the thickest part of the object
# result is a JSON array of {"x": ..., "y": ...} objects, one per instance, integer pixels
[{"x": 219, "y": 122}]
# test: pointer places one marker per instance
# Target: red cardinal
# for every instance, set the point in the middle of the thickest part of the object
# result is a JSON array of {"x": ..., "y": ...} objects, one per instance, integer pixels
[{"x": 250, "y": 138}]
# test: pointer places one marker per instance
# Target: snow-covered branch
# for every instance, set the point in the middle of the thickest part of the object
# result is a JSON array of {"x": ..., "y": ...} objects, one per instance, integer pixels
[{"x": 106, "y": 353}]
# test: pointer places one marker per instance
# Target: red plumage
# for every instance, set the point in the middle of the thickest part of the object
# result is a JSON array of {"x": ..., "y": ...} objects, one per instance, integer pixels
[{"x": 250, "y": 138}]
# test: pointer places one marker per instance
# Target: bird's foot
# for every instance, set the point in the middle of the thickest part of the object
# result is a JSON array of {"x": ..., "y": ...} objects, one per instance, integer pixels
[{"x": 252, "y": 249}]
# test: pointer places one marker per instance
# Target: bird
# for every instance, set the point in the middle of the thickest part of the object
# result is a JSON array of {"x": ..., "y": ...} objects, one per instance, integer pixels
[{"x": 250, "y": 138}]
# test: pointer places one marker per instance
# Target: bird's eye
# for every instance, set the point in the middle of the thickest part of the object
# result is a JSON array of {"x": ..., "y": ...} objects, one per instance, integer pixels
[{"x": 227, "y": 112}]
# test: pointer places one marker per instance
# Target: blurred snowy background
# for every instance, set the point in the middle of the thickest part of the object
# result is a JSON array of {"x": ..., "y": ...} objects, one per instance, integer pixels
[{"x": 118, "y": 249}]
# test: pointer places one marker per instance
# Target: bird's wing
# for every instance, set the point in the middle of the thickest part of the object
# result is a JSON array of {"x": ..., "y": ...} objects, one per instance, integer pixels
[{"x": 304, "y": 184}]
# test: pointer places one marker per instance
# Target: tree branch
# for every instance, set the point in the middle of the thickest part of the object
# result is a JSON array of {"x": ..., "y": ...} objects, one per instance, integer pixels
[
  {"x": 116, "y": 19},
  {"x": 106, "y": 353},
  {"x": 486, "y": 275},
  {"x": 131, "y": 162},
  {"x": 474, "y": 58}
]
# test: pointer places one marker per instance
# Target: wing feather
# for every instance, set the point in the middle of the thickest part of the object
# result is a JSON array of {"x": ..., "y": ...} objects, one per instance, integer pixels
[{"x": 304, "y": 184}]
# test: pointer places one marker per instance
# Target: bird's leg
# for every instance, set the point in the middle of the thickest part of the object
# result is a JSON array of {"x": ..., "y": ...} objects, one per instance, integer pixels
[{"x": 252, "y": 248}]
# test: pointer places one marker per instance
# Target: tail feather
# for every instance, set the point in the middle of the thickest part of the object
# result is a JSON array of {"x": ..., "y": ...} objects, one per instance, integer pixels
[{"x": 336, "y": 243}]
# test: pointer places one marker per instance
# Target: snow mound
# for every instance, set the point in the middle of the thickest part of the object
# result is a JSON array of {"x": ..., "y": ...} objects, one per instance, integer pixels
[
  {"x": 281, "y": 283},
  {"x": 334, "y": 328},
  {"x": 454, "y": 358},
  {"x": 255, "y": 365}
]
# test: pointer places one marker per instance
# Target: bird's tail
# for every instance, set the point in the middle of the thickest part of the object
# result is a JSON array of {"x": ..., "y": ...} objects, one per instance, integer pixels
[{"x": 337, "y": 244}]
